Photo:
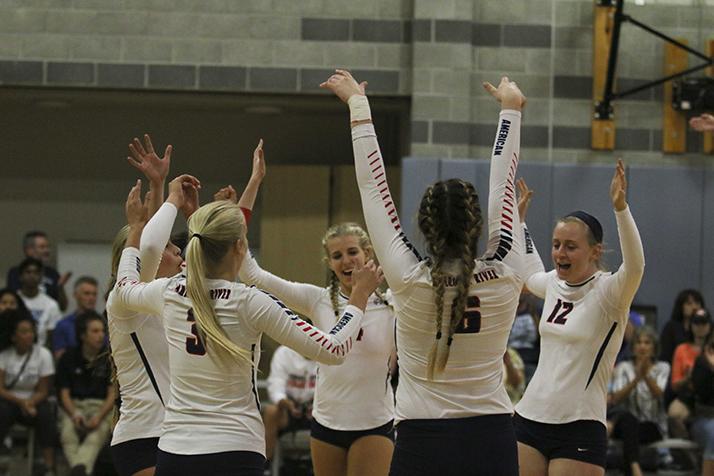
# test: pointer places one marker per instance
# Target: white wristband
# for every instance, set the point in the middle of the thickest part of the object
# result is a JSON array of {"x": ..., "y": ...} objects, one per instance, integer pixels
[{"x": 359, "y": 108}]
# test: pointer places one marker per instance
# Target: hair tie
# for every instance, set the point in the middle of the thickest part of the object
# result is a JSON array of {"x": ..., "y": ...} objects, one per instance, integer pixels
[
  {"x": 196, "y": 235},
  {"x": 438, "y": 335},
  {"x": 448, "y": 342},
  {"x": 590, "y": 221}
]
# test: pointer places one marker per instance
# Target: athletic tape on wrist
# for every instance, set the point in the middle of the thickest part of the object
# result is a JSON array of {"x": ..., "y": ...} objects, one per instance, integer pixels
[{"x": 359, "y": 108}]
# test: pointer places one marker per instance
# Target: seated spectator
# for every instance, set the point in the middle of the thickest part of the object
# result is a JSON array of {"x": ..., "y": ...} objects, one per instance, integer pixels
[
  {"x": 25, "y": 372},
  {"x": 291, "y": 387},
  {"x": 703, "y": 426},
  {"x": 684, "y": 356},
  {"x": 9, "y": 299},
  {"x": 524, "y": 337},
  {"x": 675, "y": 330},
  {"x": 85, "y": 295},
  {"x": 515, "y": 375},
  {"x": 86, "y": 394},
  {"x": 638, "y": 385},
  {"x": 44, "y": 309},
  {"x": 36, "y": 245},
  {"x": 634, "y": 321}
]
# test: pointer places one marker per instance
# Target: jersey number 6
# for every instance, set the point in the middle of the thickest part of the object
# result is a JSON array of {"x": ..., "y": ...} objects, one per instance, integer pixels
[
  {"x": 471, "y": 322},
  {"x": 194, "y": 345}
]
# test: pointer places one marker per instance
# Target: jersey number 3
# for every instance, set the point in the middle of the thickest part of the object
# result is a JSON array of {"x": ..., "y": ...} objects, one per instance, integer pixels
[
  {"x": 194, "y": 345},
  {"x": 471, "y": 322},
  {"x": 562, "y": 309}
]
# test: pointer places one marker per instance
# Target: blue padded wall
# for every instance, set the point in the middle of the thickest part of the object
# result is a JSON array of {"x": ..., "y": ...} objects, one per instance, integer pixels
[{"x": 667, "y": 206}]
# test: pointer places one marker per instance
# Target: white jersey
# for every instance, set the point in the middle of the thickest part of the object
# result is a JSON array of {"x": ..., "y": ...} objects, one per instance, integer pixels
[
  {"x": 581, "y": 331},
  {"x": 139, "y": 347},
  {"x": 213, "y": 405},
  {"x": 472, "y": 382},
  {"x": 362, "y": 381},
  {"x": 26, "y": 370},
  {"x": 45, "y": 311},
  {"x": 291, "y": 376}
]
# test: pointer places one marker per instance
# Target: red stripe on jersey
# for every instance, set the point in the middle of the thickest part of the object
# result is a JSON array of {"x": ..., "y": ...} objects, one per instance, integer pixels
[
  {"x": 314, "y": 334},
  {"x": 370, "y": 155},
  {"x": 379, "y": 166},
  {"x": 380, "y": 174},
  {"x": 300, "y": 323},
  {"x": 381, "y": 183},
  {"x": 329, "y": 346}
]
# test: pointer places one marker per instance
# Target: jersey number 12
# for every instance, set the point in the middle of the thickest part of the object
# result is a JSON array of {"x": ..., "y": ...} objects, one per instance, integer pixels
[{"x": 562, "y": 309}]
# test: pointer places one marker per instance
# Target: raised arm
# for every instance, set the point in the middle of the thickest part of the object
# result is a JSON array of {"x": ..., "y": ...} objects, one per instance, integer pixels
[
  {"x": 272, "y": 317},
  {"x": 145, "y": 159},
  {"x": 533, "y": 270},
  {"x": 505, "y": 241},
  {"x": 621, "y": 289},
  {"x": 395, "y": 253},
  {"x": 129, "y": 293}
]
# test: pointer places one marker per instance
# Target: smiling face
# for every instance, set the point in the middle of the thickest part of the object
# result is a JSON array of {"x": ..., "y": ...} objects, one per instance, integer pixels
[
  {"x": 343, "y": 254},
  {"x": 574, "y": 256}
]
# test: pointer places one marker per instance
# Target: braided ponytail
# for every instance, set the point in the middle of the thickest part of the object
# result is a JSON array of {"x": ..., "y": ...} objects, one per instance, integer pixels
[{"x": 450, "y": 219}]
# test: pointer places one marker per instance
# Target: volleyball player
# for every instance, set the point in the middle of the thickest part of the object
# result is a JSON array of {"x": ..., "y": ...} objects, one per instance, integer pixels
[
  {"x": 138, "y": 342},
  {"x": 359, "y": 442},
  {"x": 453, "y": 412},
  {"x": 213, "y": 325},
  {"x": 560, "y": 421}
]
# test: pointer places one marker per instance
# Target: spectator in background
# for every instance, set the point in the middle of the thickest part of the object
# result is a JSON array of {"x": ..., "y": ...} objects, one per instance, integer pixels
[
  {"x": 684, "y": 357},
  {"x": 291, "y": 387},
  {"x": 524, "y": 337},
  {"x": 36, "y": 245},
  {"x": 639, "y": 385},
  {"x": 634, "y": 321},
  {"x": 9, "y": 299},
  {"x": 25, "y": 371},
  {"x": 675, "y": 331},
  {"x": 86, "y": 395},
  {"x": 85, "y": 295},
  {"x": 703, "y": 426},
  {"x": 515, "y": 380},
  {"x": 44, "y": 309}
]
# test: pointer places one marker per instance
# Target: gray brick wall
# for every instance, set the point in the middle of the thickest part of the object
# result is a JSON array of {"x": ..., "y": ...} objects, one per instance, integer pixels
[{"x": 437, "y": 53}]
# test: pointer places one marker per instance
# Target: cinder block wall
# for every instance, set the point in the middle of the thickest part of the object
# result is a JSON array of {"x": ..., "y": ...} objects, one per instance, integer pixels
[{"x": 546, "y": 45}]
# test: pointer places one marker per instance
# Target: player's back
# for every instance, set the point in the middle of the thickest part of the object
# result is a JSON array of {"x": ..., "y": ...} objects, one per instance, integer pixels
[
  {"x": 472, "y": 381},
  {"x": 214, "y": 404}
]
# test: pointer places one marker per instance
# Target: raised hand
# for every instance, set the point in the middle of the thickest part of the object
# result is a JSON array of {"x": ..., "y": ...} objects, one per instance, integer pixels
[
  {"x": 145, "y": 159},
  {"x": 524, "y": 198},
  {"x": 178, "y": 189},
  {"x": 507, "y": 93},
  {"x": 226, "y": 193},
  {"x": 344, "y": 85},
  {"x": 618, "y": 187},
  {"x": 367, "y": 277},
  {"x": 191, "y": 202},
  {"x": 702, "y": 123},
  {"x": 137, "y": 212},
  {"x": 259, "y": 171}
]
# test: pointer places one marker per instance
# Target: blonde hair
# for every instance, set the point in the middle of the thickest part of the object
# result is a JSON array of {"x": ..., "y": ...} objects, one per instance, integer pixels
[
  {"x": 213, "y": 229},
  {"x": 336, "y": 231},
  {"x": 450, "y": 219},
  {"x": 117, "y": 249},
  {"x": 592, "y": 241}
]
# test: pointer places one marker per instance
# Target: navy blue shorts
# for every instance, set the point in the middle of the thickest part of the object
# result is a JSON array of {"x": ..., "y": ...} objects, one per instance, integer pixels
[
  {"x": 475, "y": 446},
  {"x": 344, "y": 439},
  {"x": 134, "y": 455},
  {"x": 228, "y": 463},
  {"x": 581, "y": 440}
]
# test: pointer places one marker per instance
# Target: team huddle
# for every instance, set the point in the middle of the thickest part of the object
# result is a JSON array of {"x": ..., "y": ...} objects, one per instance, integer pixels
[{"x": 186, "y": 337}]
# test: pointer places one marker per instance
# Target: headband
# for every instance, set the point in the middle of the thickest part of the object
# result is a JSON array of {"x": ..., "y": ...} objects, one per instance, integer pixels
[{"x": 590, "y": 221}]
